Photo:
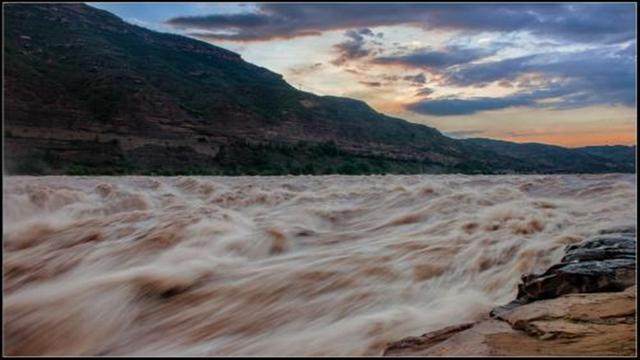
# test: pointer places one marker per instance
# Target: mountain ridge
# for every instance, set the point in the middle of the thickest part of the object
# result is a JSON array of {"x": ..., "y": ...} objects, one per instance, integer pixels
[{"x": 86, "y": 92}]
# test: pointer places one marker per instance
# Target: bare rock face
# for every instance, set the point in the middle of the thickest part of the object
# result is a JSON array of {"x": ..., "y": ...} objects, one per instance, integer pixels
[{"x": 586, "y": 305}]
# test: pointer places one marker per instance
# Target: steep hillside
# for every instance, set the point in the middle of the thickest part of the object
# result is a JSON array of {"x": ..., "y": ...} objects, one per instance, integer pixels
[{"x": 86, "y": 92}]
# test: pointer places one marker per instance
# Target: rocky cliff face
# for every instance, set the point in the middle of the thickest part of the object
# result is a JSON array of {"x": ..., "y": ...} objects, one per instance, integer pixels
[
  {"x": 583, "y": 306},
  {"x": 85, "y": 91}
]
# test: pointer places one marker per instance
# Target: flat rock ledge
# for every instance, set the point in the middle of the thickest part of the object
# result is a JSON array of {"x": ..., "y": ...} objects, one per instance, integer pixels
[{"x": 583, "y": 306}]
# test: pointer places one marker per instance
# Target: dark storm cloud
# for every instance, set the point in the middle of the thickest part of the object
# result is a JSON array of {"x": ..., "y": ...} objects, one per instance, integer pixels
[{"x": 604, "y": 23}]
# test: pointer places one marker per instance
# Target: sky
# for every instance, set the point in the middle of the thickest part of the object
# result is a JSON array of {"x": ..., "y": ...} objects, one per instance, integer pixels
[{"x": 552, "y": 73}]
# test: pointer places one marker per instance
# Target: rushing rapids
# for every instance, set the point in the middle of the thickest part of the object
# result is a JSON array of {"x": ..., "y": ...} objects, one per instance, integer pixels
[{"x": 308, "y": 265}]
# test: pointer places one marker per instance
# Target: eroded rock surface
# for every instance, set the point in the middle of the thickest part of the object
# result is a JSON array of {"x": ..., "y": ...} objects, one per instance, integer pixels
[{"x": 586, "y": 305}]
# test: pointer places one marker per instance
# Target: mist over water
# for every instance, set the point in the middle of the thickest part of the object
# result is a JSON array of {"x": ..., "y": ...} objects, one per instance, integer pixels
[{"x": 307, "y": 265}]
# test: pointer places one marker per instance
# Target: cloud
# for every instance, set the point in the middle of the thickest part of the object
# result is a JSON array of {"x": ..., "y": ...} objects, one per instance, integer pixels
[
  {"x": 415, "y": 80},
  {"x": 588, "y": 23},
  {"x": 602, "y": 76},
  {"x": 446, "y": 107},
  {"x": 274, "y": 21},
  {"x": 418, "y": 79},
  {"x": 371, "y": 83},
  {"x": 354, "y": 47},
  {"x": 424, "y": 92},
  {"x": 429, "y": 59},
  {"x": 305, "y": 69},
  {"x": 599, "y": 64},
  {"x": 360, "y": 33}
]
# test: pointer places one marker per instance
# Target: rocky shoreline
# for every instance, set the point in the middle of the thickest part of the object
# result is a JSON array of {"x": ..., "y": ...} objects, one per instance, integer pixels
[{"x": 585, "y": 305}]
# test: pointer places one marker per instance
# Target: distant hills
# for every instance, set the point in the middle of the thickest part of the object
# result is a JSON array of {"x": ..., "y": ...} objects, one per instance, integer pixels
[{"x": 87, "y": 93}]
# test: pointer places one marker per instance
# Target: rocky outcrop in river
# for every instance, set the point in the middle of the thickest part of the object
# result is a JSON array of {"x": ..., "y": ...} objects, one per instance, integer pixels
[{"x": 585, "y": 305}]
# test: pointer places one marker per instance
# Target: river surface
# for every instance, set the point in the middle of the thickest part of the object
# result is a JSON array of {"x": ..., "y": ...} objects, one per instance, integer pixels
[{"x": 297, "y": 265}]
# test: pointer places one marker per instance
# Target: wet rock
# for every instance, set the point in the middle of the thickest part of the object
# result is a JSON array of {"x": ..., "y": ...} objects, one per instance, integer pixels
[
  {"x": 599, "y": 254},
  {"x": 608, "y": 241},
  {"x": 602, "y": 263},
  {"x": 627, "y": 229},
  {"x": 579, "y": 277}
]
